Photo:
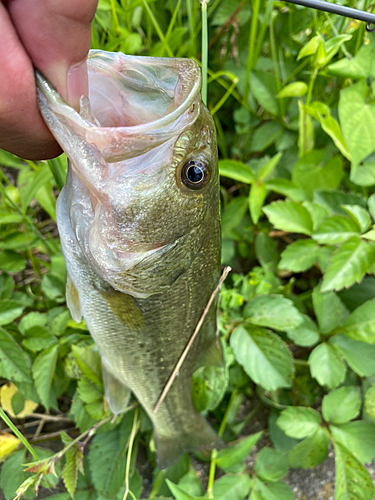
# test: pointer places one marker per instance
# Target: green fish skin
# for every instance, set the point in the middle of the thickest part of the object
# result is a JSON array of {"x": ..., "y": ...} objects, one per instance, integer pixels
[{"x": 140, "y": 231}]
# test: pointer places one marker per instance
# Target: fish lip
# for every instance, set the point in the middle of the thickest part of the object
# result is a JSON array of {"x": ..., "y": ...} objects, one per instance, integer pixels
[{"x": 51, "y": 94}]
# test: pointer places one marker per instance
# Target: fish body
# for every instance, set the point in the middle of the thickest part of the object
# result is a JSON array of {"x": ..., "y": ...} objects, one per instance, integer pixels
[{"x": 140, "y": 231}]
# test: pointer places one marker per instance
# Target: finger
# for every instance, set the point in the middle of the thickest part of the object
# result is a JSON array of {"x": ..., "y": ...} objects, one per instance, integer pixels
[
  {"x": 56, "y": 35},
  {"x": 22, "y": 129}
]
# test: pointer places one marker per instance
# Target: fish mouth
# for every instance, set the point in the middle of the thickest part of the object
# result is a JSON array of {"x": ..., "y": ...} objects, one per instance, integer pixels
[{"x": 134, "y": 104}]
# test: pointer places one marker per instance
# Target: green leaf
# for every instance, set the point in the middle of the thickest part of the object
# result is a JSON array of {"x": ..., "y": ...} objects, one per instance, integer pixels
[
  {"x": 312, "y": 172},
  {"x": 322, "y": 114},
  {"x": 268, "y": 167},
  {"x": 15, "y": 364},
  {"x": 289, "y": 216},
  {"x": 359, "y": 355},
  {"x": 53, "y": 288},
  {"x": 257, "y": 195},
  {"x": 89, "y": 363},
  {"x": 9, "y": 311},
  {"x": 273, "y": 311},
  {"x": 263, "y": 86},
  {"x": 233, "y": 213},
  {"x": 231, "y": 487},
  {"x": 6, "y": 286},
  {"x": 371, "y": 206},
  {"x": 358, "y": 66},
  {"x": 38, "y": 338},
  {"x": 287, "y": 188},
  {"x": 311, "y": 451},
  {"x": 236, "y": 170},
  {"x": 29, "y": 190},
  {"x": 363, "y": 174},
  {"x": 370, "y": 401},
  {"x": 70, "y": 470},
  {"x": 12, "y": 474},
  {"x": 299, "y": 256},
  {"x": 233, "y": 455},
  {"x": 180, "y": 494},
  {"x": 348, "y": 264},
  {"x": 329, "y": 310},
  {"x": 330, "y": 48},
  {"x": 342, "y": 405},
  {"x": 336, "y": 229},
  {"x": 209, "y": 386},
  {"x": 264, "y": 357},
  {"x": 271, "y": 465},
  {"x": 107, "y": 458},
  {"x": 326, "y": 366},
  {"x": 88, "y": 391},
  {"x": 359, "y": 215},
  {"x": 306, "y": 334},
  {"x": 299, "y": 422},
  {"x": 265, "y": 135},
  {"x": 358, "y": 437},
  {"x": 318, "y": 212},
  {"x": 278, "y": 437},
  {"x": 43, "y": 371},
  {"x": 353, "y": 482},
  {"x": 357, "y": 119},
  {"x": 270, "y": 491},
  {"x": 333, "y": 200},
  {"x": 310, "y": 48},
  {"x": 360, "y": 325},
  {"x": 295, "y": 89},
  {"x": 190, "y": 483}
]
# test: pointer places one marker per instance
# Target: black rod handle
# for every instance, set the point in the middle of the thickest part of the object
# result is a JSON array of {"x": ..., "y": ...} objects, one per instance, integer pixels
[{"x": 340, "y": 10}]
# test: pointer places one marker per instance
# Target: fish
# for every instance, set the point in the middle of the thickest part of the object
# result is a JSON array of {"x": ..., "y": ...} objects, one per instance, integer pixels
[{"x": 139, "y": 224}]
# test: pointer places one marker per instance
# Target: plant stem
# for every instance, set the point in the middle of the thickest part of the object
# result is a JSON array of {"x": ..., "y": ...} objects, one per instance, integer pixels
[
  {"x": 54, "y": 167},
  {"x": 223, "y": 424},
  {"x": 251, "y": 47},
  {"x": 314, "y": 74},
  {"x": 129, "y": 455},
  {"x": 157, "y": 484},
  {"x": 189, "y": 8},
  {"x": 204, "y": 50},
  {"x": 22, "y": 438},
  {"x": 158, "y": 30}
]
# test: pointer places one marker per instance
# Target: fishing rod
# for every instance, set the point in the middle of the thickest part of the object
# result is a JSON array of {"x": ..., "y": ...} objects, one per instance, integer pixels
[{"x": 340, "y": 10}]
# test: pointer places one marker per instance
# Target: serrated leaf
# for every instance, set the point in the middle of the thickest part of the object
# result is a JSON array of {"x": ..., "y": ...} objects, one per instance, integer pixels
[
  {"x": 234, "y": 455},
  {"x": 7, "y": 393},
  {"x": 38, "y": 338},
  {"x": 43, "y": 371},
  {"x": 231, "y": 487},
  {"x": 209, "y": 386},
  {"x": 306, "y": 334},
  {"x": 107, "y": 458},
  {"x": 88, "y": 391},
  {"x": 299, "y": 422},
  {"x": 89, "y": 363},
  {"x": 342, "y": 405},
  {"x": 348, "y": 264},
  {"x": 179, "y": 493},
  {"x": 236, "y": 170},
  {"x": 257, "y": 196},
  {"x": 359, "y": 355},
  {"x": 295, "y": 89},
  {"x": 10, "y": 310},
  {"x": 271, "y": 465},
  {"x": 264, "y": 357},
  {"x": 358, "y": 437},
  {"x": 333, "y": 200},
  {"x": 313, "y": 172},
  {"x": 359, "y": 215},
  {"x": 12, "y": 474},
  {"x": 190, "y": 483},
  {"x": 273, "y": 311},
  {"x": 336, "y": 229},
  {"x": 326, "y": 366},
  {"x": 15, "y": 364},
  {"x": 318, "y": 212},
  {"x": 353, "y": 482},
  {"x": 360, "y": 325},
  {"x": 73, "y": 465},
  {"x": 357, "y": 119},
  {"x": 287, "y": 188},
  {"x": 311, "y": 451},
  {"x": 270, "y": 491},
  {"x": 370, "y": 401},
  {"x": 328, "y": 309},
  {"x": 289, "y": 216},
  {"x": 299, "y": 256},
  {"x": 358, "y": 66}
]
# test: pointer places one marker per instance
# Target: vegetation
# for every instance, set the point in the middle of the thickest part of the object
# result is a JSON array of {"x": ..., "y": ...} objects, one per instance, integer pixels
[{"x": 292, "y": 93}]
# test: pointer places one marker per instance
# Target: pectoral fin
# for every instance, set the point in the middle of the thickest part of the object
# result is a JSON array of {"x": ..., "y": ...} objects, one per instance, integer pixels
[
  {"x": 116, "y": 392},
  {"x": 72, "y": 300}
]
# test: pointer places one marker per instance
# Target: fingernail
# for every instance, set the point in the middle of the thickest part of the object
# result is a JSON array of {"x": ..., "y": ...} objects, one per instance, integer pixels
[{"x": 77, "y": 83}]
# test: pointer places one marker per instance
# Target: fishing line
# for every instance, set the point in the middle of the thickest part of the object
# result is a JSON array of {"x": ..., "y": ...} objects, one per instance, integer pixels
[{"x": 340, "y": 10}]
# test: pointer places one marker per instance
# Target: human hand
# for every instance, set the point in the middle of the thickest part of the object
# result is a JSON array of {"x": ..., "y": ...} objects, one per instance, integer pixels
[{"x": 54, "y": 36}]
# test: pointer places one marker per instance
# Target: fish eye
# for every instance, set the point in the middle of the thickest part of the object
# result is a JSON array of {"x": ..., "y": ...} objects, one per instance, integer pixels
[{"x": 195, "y": 174}]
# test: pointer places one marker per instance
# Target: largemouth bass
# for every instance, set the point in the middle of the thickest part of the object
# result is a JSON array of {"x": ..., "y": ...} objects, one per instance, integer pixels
[{"x": 140, "y": 232}]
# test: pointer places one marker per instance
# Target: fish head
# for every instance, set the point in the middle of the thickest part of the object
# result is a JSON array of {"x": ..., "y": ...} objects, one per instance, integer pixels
[{"x": 142, "y": 187}]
